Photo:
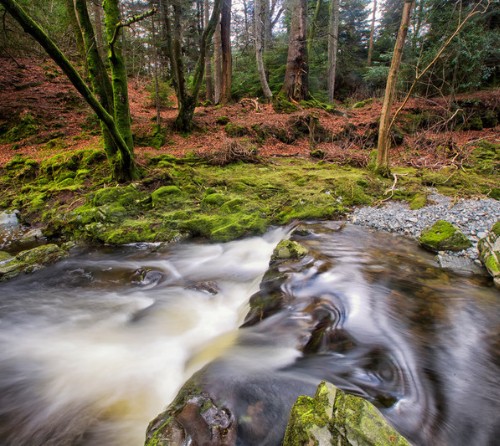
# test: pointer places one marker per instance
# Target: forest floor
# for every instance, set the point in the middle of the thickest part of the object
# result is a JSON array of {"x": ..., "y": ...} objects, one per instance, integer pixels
[{"x": 41, "y": 115}]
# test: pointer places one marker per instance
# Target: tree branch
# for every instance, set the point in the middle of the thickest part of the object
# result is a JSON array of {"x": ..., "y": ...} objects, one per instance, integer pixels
[
  {"x": 130, "y": 21},
  {"x": 475, "y": 11}
]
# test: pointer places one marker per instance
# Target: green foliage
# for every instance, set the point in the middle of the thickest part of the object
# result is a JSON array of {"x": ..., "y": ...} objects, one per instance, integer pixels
[
  {"x": 26, "y": 126},
  {"x": 443, "y": 236}
]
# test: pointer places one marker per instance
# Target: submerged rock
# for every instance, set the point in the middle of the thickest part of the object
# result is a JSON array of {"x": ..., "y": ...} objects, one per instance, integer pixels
[
  {"x": 489, "y": 252},
  {"x": 333, "y": 417},
  {"x": 443, "y": 236},
  {"x": 30, "y": 260}
]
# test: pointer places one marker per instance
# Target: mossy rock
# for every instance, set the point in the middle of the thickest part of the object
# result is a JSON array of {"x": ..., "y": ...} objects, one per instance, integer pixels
[
  {"x": 288, "y": 249},
  {"x": 364, "y": 103},
  {"x": 166, "y": 195},
  {"x": 489, "y": 252},
  {"x": 443, "y": 236},
  {"x": 333, "y": 417},
  {"x": 418, "y": 201},
  {"x": 124, "y": 195},
  {"x": 222, "y": 120},
  {"x": 30, "y": 260},
  {"x": 4, "y": 256}
]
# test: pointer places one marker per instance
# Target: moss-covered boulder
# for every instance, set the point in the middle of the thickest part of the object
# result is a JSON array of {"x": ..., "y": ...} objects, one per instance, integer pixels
[
  {"x": 443, "y": 236},
  {"x": 333, "y": 417},
  {"x": 30, "y": 260},
  {"x": 288, "y": 249},
  {"x": 489, "y": 252}
]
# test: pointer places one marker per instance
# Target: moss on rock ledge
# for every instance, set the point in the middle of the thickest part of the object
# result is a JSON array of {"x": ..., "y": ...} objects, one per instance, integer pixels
[
  {"x": 333, "y": 417},
  {"x": 443, "y": 236}
]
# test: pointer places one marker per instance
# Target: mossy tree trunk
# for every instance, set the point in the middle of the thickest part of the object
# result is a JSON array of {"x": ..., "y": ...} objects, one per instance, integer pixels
[
  {"x": 384, "y": 141},
  {"x": 296, "y": 85},
  {"x": 187, "y": 96},
  {"x": 99, "y": 79},
  {"x": 124, "y": 167}
]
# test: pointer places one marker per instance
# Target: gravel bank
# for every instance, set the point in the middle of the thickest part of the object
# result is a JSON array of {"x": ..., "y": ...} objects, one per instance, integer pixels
[{"x": 473, "y": 216}]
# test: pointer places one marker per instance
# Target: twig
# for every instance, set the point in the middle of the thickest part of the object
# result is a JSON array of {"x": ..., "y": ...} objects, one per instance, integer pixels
[{"x": 130, "y": 21}]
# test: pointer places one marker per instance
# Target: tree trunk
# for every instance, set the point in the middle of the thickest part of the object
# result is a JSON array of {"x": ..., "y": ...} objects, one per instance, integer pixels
[
  {"x": 99, "y": 79},
  {"x": 70, "y": 8},
  {"x": 98, "y": 27},
  {"x": 295, "y": 86},
  {"x": 217, "y": 65},
  {"x": 382, "y": 164},
  {"x": 312, "y": 27},
  {"x": 259, "y": 15},
  {"x": 333, "y": 41},
  {"x": 227, "y": 68},
  {"x": 112, "y": 22},
  {"x": 125, "y": 169},
  {"x": 209, "y": 83},
  {"x": 372, "y": 34},
  {"x": 188, "y": 98}
]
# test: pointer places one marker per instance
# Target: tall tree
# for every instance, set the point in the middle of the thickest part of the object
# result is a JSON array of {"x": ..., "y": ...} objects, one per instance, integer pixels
[
  {"x": 296, "y": 84},
  {"x": 124, "y": 167},
  {"x": 209, "y": 83},
  {"x": 372, "y": 33},
  {"x": 333, "y": 40},
  {"x": 260, "y": 17},
  {"x": 227, "y": 65},
  {"x": 382, "y": 163},
  {"x": 187, "y": 92}
]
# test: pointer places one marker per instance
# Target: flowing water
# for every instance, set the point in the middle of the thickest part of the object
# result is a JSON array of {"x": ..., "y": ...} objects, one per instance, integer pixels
[{"x": 94, "y": 347}]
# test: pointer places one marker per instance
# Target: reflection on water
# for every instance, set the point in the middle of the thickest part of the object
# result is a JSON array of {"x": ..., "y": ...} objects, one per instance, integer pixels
[{"x": 93, "y": 348}]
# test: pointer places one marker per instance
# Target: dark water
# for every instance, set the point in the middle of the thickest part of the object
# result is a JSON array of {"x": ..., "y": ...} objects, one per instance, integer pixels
[{"x": 94, "y": 347}]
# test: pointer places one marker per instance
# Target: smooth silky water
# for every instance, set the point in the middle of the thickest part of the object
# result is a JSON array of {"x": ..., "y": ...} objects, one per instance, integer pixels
[{"x": 94, "y": 347}]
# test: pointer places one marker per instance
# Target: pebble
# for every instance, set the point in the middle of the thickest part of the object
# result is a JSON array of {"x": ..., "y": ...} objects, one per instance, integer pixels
[{"x": 473, "y": 216}]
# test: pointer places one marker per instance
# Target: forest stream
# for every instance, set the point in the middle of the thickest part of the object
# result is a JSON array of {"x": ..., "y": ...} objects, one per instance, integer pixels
[{"x": 94, "y": 347}]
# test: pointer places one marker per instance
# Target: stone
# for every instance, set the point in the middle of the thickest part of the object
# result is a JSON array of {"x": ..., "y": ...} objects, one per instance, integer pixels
[
  {"x": 334, "y": 417},
  {"x": 443, "y": 236},
  {"x": 489, "y": 252},
  {"x": 9, "y": 219},
  {"x": 30, "y": 260},
  {"x": 288, "y": 249}
]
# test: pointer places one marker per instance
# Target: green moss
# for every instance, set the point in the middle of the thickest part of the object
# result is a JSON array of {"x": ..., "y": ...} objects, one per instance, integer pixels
[
  {"x": 443, "y": 236},
  {"x": 364, "y": 103},
  {"x": 222, "y": 120},
  {"x": 281, "y": 104},
  {"x": 418, "y": 201},
  {"x": 125, "y": 195},
  {"x": 26, "y": 125},
  {"x": 235, "y": 130},
  {"x": 288, "y": 249},
  {"x": 166, "y": 195},
  {"x": 492, "y": 264},
  {"x": 496, "y": 228},
  {"x": 214, "y": 199}
]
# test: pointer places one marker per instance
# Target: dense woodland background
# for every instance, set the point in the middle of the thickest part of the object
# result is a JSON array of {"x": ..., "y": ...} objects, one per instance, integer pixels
[{"x": 318, "y": 53}]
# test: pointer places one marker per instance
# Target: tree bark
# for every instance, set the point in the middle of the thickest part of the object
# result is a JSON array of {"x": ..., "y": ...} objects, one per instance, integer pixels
[
  {"x": 312, "y": 27},
  {"x": 227, "y": 64},
  {"x": 97, "y": 6},
  {"x": 295, "y": 86},
  {"x": 113, "y": 28},
  {"x": 217, "y": 65},
  {"x": 372, "y": 34},
  {"x": 70, "y": 8},
  {"x": 382, "y": 163},
  {"x": 125, "y": 166},
  {"x": 209, "y": 83},
  {"x": 259, "y": 16},
  {"x": 333, "y": 41}
]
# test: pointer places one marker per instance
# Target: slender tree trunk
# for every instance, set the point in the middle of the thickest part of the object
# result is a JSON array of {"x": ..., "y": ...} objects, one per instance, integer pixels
[
  {"x": 384, "y": 141},
  {"x": 227, "y": 64},
  {"x": 188, "y": 98},
  {"x": 259, "y": 16},
  {"x": 209, "y": 83},
  {"x": 98, "y": 27},
  {"x": 217, "y": 65},
  {"x": 372, "y": 34},
  {"x": 295, "y": 86},
  {"x": 312, "y": 27},
  {"x": 127, "y": 170},
  {"x": 333, "y": 41},
  {"x": 70, "y": 8}
]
